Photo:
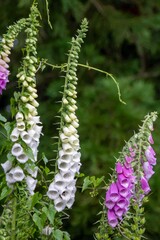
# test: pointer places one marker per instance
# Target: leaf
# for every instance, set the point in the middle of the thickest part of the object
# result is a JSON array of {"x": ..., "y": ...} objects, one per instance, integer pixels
[
  {"x": 34, "y": 200},
  {"x": 7, "y": 127},
  {"x": 45, "y": 160},
  {"x": 50, "y": 213},
  {"x": 66, "y": 236},
  {"x": 37, "y": 220},
  {"x": 2, "y": 119},
  {"x": 86, "y": 183},
  {"x": 58, "y": 234},
  {"x": 5, "y": 192}
]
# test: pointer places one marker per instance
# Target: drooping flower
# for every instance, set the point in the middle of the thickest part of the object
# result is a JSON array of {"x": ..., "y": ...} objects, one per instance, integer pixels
[
  {"x": 112, "y": 218},
  {"x": 145, "y": 186}
]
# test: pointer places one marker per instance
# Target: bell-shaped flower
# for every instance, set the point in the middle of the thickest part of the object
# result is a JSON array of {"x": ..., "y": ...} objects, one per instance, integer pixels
[
  {"x": 18, "y": 174},
  {"x": 122, "y": 202},
  {"x": 109, "y": 203},
  {"x": 33, "y": 171},
  {"x": 22, "y": 158},
  {"x": 63, "y": 165},
  {"x": 37, "y": 129},
  {"x": 67, "y": 176},
  {"x": 76, "y": 157},
  {"x": 119, "y": 168},
  {"x": 66, "y": 195},
  {"x": 73, "y": 140},
  {"x": 59, "y": 182},
  {"x": 75, "y": 167},
  {"x": 144, "y": 185},
  {"x": 9, "y": 178},
  {"x": 112, "y": 218},
  {"x": 67, "y": 147},
  {"x": 67, "y": 131},
  {"x": 150, "y": 139},
  {"x": 17, "y": 150},
  {"x": 122, "y": 191},
  {"x": 65, "y": 156},
  {"x": 124, "y": 182},
  {"x": 14, "y": 134},
  {"x": 118, "y": 211},
  {"x": 113, "y": 192},
  {"x": 31, "y": 184},
  {"x": 148, "y": 170},
  {"x": 26, "y": 137},
  {"x": 59, "y": 204},
  {"x": 52, "y": 193},
  {"x": 30, "y": 107},
  {"x": 6, "y": 166},
  {"x": 63, "y": 138},
  {"x": 71, "y": 186},
  {"x": 150, "y": 155},
  {"x": 70, "y": 202},
  {"x": 128, "y": 159},
  {"x": 47, "y": 230},
  {"x": 19, "y": 117},
  {"x": 20, "y": 126}
]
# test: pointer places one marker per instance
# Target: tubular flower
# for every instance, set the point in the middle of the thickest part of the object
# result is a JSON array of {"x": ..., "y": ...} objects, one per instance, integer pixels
[
  {"x": 27, "y": 127},
  {"x": 62, "y": 189},
  {"x": 131, "y": 175}
]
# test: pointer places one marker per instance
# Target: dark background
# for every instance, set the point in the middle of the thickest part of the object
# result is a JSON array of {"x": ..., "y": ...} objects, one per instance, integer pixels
[{"x": 123, "y": 39}]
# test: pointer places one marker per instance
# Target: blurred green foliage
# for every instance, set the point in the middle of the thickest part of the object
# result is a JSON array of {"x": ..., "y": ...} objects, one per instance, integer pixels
[{"x": 123, "y": 39}]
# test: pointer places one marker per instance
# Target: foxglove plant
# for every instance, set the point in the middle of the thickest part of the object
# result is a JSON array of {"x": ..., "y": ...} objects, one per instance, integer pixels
[
  {"x": 62, "y": 189},
  {"x": 129, "y": 183},
  {"x": 6, "y": 44}
]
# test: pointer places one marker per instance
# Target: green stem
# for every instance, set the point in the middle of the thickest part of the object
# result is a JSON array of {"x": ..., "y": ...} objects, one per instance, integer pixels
[
  {"x": 13, "y": 230},
  {"x": 95, "y": 69}
]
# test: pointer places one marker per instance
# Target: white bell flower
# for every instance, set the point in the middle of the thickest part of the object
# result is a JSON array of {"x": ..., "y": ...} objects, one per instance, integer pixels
[
  {"x": 21, "y": 126},
  {"x": 66, "y": 195},
  {"x": 26, "y": 137},
  {"x": 75, "y": 167},
  {"x": 67, "y": 147},
  {"x": 17, "y": 150},
  {"x": 32, "y": 171},
  {"x": 70, "y": 202},
  {"x": 14, "y": 134},
  {"x": 47, "y": 230},
  {"x": 18, "y": 174},
  {"x": 59, "y": 182},
  {"x": 63, "y": 138},
  {"x": 19, "y": 117},
  {"x": 59, "y": 204},
  {"x": 67, "y": 176},
  {"x": 63, "y": 165},
  {"x": 31, "y": 184},
  {"x": 9, "y": 178},
  {"x": 22, "y": 158},
  {"x": 76, "y": 157},
  {"x": 6, "y": 166},
  {"x": 52, "y": 193},
  {"x": 73, "y": 140}
]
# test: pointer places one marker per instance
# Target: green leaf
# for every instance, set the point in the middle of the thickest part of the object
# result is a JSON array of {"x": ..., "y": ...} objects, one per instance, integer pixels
[
  {"x": 34, "y": 199},
  {"x": 45, "y": 160},
  {"x": 7, "y": 127},
  {"x": 58, "y": 234},
  {"x": 5, "y": 192},
  {"x": 50, "y": 213},
  {"x": 66, "y": 236},
  {"x": 86, "y": 183},
  {"x": 2, "y": 119},
  {"x": 37, "y": 220}
]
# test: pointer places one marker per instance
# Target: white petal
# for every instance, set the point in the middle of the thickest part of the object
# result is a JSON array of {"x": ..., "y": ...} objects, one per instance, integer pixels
[
  {"x": 30, "y": 107},
  {"x": 17, "y": 150},
  {"x": 72, "y": 129},
  {"x": 37, "y": 129},
  {"x": 22, "y": 158},
  {"x": 31, "y": 184},
  {"x": 59, "y": 182},
  {"x": 59, "y": 204},
  {"x": 47, "y": 231},
  {"x": 70, "y": 202},
  {"x": 66, "y": 195},
  {"x": 19, "y": 117},
  {"x": 73, "y": 140},
  {"x": 33, "y": 172},
  {"x": 20, "y": 126},
  {"x": 52, "y": 193},
  {"x": 26, "y": 137},
  {"x": 14, "y": 135},
  {"x": 18, "y": 174},
  {"x": 63, "y": 165},
  {"x": 66, "y": 131},
  {"x": 75, "y": 167},
  {"x": 67, "y": 147},
  {"x": 63, "y": 138},
  {"x": 68, "y": 176},
  {"x": 76, "y": 157},
  {"x": 9, "y": 178},
  {"x": 6, "y": 166}
]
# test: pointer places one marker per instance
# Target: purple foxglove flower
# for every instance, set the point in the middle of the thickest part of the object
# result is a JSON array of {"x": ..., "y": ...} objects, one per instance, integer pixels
[
  {"x": 118, "y": 211},
  {"x": 122, "y": 202},
  {"x": 122, "y": 191},
  {"x": 128, "y": 159},
  {"x": 113, "y": 192},
  {"x": 148, "y": 170},
  {"x": 119, "y": 167},
  {"x": 124, "y": 182},
  {"x": 109, "y": 203},
  {"x": 150, "y": 155},
  {"x": 112, "y": 218},
  {"x": 144, "y": 185},
  {"x": 3, "y": 78},
  {"x": 127, "y": 172},
  {"x": 150, "y": 139}
]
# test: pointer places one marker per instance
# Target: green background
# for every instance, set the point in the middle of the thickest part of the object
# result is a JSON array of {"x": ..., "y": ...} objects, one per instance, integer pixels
[{"x": 123, "y": 39}]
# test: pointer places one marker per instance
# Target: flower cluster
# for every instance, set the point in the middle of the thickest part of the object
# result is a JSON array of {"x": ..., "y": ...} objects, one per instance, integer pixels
[
  {"x": 62, "y": 189},
  {"x": 6, "y": 45},
  {"x": 147, "y": 166},
  {"x": 27, "y": 129},
  {"x": 119, "y": 193}
]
